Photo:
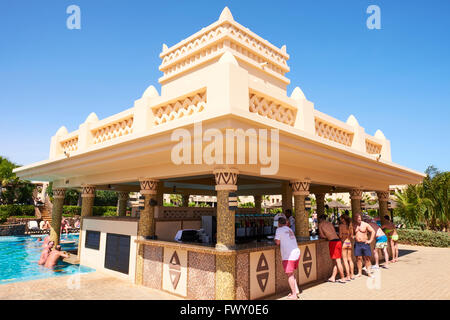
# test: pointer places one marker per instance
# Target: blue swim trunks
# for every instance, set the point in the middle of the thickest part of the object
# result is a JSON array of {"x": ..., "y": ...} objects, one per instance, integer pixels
[{"x": 362, "y": 249}]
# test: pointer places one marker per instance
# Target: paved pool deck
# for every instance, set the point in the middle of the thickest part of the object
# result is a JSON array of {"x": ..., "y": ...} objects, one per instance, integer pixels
[{"x": 421, "y": 273}]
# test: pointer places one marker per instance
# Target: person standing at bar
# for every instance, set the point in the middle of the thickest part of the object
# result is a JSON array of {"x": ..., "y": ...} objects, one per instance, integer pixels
[
  {"x": 290, "y": 219},
  {"x": 327, "y": 231},
  {"x": 362, "y": 244},
  {"x": 290, "y": 254}
]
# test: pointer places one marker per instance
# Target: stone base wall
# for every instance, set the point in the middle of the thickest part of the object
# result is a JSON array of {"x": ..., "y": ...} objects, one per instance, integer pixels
[{"x": 12, "y": 230}]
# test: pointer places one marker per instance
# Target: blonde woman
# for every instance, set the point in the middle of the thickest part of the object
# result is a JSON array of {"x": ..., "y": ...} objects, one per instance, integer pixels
[{"x": 346, "y": 235}]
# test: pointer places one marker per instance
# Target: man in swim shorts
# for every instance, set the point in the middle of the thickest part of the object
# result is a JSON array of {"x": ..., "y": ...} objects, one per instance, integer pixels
[
  {"x": 327, "y": 231},
  {"x": 362, "y": 244},
  {"x": 380, "y": 245},
  {"x": 290, "y": 254}
]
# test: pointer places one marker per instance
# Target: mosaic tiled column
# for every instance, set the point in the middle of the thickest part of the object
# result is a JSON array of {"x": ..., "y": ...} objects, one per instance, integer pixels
[
  {"x": 225, "y": 277},
  {"x": 257, "y": 203},
  {"x": 186, "y": 200},
  {"x": 146, "y": 226},
  {"x": 355, "y": 197},
  {"x": 383, "y": 198},
  {"x": 87, "y": 204},
  {"x": 58, "y": 202},
  {"x": 320, "y": 203},
  {"x": 300, "y": 189},
  {"x": 226, "y": 180},
  {"x": 122, "y": 203},
  {"x": 286, "y": 196}
]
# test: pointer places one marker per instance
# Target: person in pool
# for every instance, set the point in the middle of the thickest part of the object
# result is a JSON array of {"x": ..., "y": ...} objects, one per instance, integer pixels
[
  {"x": 391, "y": 232},
  {"x": 54, "y": 256},
  {"x": 45, "y": 253}
]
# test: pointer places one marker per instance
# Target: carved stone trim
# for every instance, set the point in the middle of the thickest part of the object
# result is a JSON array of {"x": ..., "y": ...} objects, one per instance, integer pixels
[
  {"x": 226, "y": 179},
  {"x": 88, "y": 191},
  {"x": 383, "y": 195},
  {"x": 356, "y": 194},
  {"x": 300, "y": 187},
  {"x": 123, "y": 195},
  {"x": 148, "y": 186},
  {"x": 59, "y": 193}
]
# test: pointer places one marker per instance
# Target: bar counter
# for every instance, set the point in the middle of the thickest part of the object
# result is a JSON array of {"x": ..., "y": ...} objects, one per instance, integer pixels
[{"x": 251, "y": 270}]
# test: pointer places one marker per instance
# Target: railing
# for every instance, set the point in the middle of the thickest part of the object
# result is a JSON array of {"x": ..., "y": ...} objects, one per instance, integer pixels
[
  {"x": 271, "y": 109},
  {"x": 179, "y": 108},
  {"x": 113, "y": 130},
  {"x": 69, "y": 145},
  {"x": 373, "y": 147},
  {"x": 333, "y": 132}
]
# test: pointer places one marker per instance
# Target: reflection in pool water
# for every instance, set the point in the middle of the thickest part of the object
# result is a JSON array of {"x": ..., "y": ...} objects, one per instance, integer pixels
[{"x": 19, "y": 257}]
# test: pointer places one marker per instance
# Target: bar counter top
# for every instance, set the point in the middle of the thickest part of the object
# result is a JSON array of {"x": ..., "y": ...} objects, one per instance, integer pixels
[{"x": 211, "y": 249}]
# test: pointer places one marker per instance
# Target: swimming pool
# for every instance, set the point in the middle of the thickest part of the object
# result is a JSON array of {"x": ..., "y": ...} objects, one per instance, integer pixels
[{"x": 19, "y": 257}]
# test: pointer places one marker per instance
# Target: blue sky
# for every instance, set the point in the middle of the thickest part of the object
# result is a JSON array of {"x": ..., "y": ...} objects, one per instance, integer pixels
[{"x": 396, "y": 79}]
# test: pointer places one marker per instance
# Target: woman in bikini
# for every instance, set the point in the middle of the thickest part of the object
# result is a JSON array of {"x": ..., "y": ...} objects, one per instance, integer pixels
[
  {"x": 391, "y": 232},
  {"x": 346, "y": 235}
]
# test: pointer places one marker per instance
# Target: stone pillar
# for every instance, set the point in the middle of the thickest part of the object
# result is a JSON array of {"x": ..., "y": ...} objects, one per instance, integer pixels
[
  {"x": 301, "y": 190},
  {"x": 122, "y": 203},
  {"x": 146, "y": 225},
  {"x": 87, "y": 202},
  {"x": 186, "y": 200},
  {"x": 320, "y": 203},
  {"x": 257, "y": 199},
  {"x": 58, "y": 202},
  {"x": 226, "y": 180},
  {"x": 383, "y": 198},
  {"x": 286, "y": 196},
  {"x": 355, "y": 197}
]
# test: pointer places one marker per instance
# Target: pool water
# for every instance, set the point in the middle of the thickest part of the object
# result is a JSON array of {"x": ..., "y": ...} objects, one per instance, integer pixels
[{"x": 19, "y": 257}]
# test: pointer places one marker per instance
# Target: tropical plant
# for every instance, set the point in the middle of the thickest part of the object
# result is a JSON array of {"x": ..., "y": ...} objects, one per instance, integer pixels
[
  {"x": 426, "y": 203},
  {"x": 12, "y": 189}
]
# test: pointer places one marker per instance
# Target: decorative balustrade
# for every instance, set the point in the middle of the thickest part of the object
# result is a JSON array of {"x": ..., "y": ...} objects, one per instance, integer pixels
[
  {"x": 271, "y": 109},
  {"x": 333, "y": 132},
  {"x": 69, "y": 145},
  {"x": 209, "y": 43},
  {"x": 113, "y": 130},
  {"x": 373, "y": 147},
  {"x": 180, "y": 108}
]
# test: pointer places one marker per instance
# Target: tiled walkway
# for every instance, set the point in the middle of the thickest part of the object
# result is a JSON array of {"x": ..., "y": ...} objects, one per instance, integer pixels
[{"x": 421, "y": 273}]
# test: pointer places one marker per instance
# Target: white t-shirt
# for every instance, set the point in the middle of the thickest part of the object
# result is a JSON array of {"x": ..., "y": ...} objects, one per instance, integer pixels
[{"x": 288, "y": 243}]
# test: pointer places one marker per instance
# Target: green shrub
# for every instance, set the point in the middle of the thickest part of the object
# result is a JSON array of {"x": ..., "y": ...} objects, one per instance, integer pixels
[
  {"x": 102, "y": 210},
  {"x": 70, "y": 211},
  {"x": 424, "y": 238},
  {"x": 11, "y": 210}
]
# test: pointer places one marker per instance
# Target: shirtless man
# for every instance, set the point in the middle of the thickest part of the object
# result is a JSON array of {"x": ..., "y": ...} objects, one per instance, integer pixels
[
  {"x": 362, "y": 244},
  {"x": 45, "y": 253},
  {"x": 327, "y": 231},
  {"x": 380, "y": 245},
  {"x": 54, "y": 257}
]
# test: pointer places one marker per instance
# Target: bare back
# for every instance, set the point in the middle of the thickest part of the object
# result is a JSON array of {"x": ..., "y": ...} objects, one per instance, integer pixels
[
  {"x": 327, "y": 231},
  {"x": 53, "y": 258}
]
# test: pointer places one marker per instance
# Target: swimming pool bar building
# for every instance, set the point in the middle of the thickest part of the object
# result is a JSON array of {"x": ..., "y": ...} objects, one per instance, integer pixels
[{"x": 222, "y": 77}]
